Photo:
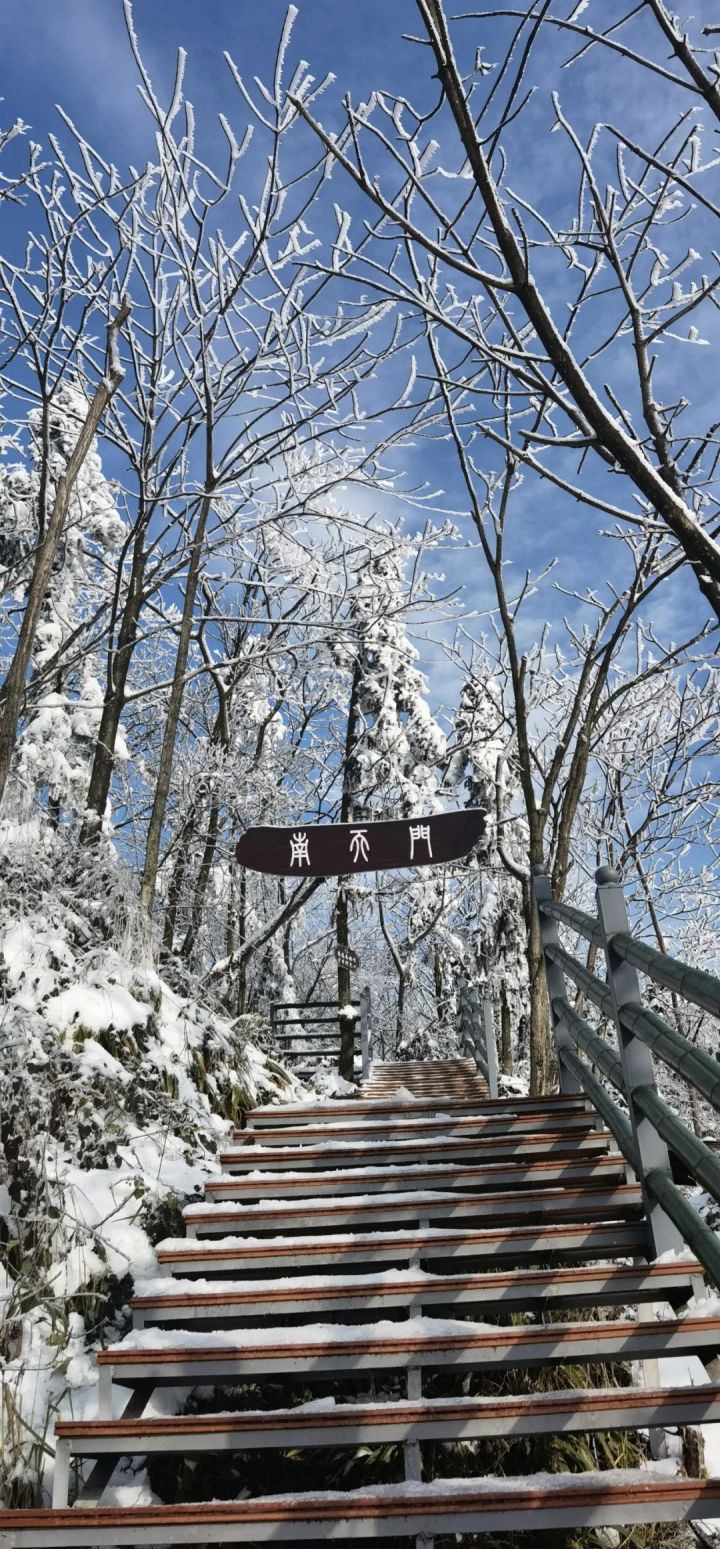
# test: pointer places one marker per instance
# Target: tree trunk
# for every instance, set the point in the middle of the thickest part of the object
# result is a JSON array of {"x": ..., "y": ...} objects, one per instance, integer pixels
[
  {"x": 236, "y": 993},
  {"x": 400, "y": 1008},
  {"x": 104, "y": 756},
  {"x": 203, "y": 878},
  {"x": 162, "y": 789},
  {"x": 542, "y": 1061},
  {"x": 346, "y": 1063},
  {"x": 506, "y": 1060},
  {"x": 14, "y": 691},
  {"x": 438, "y": 982},
  {"x": 176, "y": 884}
]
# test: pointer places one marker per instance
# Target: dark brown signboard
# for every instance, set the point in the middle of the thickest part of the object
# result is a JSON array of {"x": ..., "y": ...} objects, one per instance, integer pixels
[{"x": 336, "y": 849}]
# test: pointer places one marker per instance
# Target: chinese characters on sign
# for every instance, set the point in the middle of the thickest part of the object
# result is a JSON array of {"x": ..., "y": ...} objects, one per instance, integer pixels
[
  {"x": 420, "y": 834},
  {"x": 299, "y": 849},
  {"x": 334, "y": 849},
  {"x": 359, "y": 845}
]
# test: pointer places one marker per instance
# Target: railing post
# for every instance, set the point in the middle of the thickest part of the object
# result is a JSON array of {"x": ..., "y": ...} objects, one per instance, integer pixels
[
  {"x": 365, "y": 1040},
  {"x": 554, "y": 979},
  {"x": 637, "y": 1061}
]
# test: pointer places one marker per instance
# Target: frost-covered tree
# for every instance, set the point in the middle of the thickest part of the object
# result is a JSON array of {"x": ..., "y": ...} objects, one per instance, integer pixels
[
  {"x": 482, "y": 772},
  {"x": 63, "y": 710},
  {"x": 394, "y": 748},
  {"x": 398, "y": 746},
  {"x": 567, "y": 314}
]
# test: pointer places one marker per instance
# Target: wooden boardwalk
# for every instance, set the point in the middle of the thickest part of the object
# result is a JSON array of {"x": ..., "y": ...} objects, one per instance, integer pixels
[{"x": 400, "y": 1233}]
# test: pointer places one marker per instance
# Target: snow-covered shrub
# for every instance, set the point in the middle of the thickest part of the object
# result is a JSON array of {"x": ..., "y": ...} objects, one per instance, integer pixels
[{"x": 116, "y": 1094}]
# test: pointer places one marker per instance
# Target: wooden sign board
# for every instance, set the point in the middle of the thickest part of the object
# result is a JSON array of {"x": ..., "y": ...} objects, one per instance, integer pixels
[
  {"x": 347, "y": 958},
  {"x": 339, "y": 849}
]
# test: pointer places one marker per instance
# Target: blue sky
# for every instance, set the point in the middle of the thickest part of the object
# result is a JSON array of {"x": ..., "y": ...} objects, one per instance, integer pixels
[{"x": 75, "y": 52}]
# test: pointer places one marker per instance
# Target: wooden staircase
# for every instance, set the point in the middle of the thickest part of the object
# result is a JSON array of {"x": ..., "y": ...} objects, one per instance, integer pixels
[{"x": 400, "y": 1233}]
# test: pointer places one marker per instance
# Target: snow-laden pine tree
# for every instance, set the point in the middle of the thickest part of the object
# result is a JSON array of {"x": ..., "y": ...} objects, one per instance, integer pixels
[
  {"x": 398, "y": 747},
  {"x": 65, "y": 691},
  {"x": 394, "y": 750}
]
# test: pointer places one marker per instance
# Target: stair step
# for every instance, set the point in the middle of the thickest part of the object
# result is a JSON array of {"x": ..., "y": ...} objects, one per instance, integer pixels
[
  {"x": 323, "y": 1350},
  {"x": 429, "y": 1420},
  {"x": 436, "y": 1127},
  {"x": 393, "y": 1511},
  {"x": 583, "y": 1203},
  {"x": 295, "y": 1138},
  {"x": 177, "y": 1302},
  {"x": 514, "y": 1245},
  {"x": 314, "y": 1113},
  {"x": 512, "y": 1174},
  {"x": 442, "y": 1149}
]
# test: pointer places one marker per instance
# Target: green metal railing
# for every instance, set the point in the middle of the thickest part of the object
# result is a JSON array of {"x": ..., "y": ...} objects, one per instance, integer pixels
[{"x": 649, "y": 1132}]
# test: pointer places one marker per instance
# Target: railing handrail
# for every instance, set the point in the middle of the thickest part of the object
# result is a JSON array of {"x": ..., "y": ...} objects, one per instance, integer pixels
[
  {"x": 692, "y": 984},
  {"x": 583, "y": 923},
  {"x": 671, "y": 973},
  {"x": 672, "y": 1047},
  {"x": 591, "y": 1043},
  {"x": 326, "y": 1039},
  {"x": 302, "y": 1005},
  {"x": 652, "y": 1129},
  {"x": 477, "y": 1032},
  {"x": 614, "y": 1117}
]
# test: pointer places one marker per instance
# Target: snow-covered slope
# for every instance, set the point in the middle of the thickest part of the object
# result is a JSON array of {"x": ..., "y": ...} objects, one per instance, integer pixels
[{"x": 116, "y": 1094}]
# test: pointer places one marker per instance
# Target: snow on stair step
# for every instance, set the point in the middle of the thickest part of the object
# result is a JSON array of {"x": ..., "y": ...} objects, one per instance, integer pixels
[
  {"x": 186, "y": 1358},
  {"x": 578, "y": 1203},
  {"x": 447, "y": 1506},
  {"x": 510, "y": 1174},
  {"x": 442, "y": 1149},
  {"x": 170, "y": 1301},
  {"x": 436, "y": 1126},
  {"x": 324, "y": 1422},
  {"x": 513, "y": 1244},
  {"x": 280, "y": 1115}
]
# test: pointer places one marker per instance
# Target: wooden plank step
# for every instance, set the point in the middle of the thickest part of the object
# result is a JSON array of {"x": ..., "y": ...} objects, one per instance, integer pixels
[
  {"x": 424, "y": 1089},
  {"x": 513, "y": 1173},
  {"x": 476, "y": 1506},
  {"x": 456, "y": 1067},
  {"x": 428, "y": 1420},
  {"x": 178, "y": 1302},
  {"x": 271, "y": 1117},
  {"x": 443, "y": 1149},
  {"x": 568, "y": 1203},
  {"x": 436, "y": 1126},
  {"x": 322, "y": 1350},
  {"x": 516, "y": 1245}
]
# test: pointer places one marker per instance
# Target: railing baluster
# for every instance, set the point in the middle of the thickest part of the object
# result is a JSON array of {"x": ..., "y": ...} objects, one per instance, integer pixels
[{"x": 637, "y": 1062}]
